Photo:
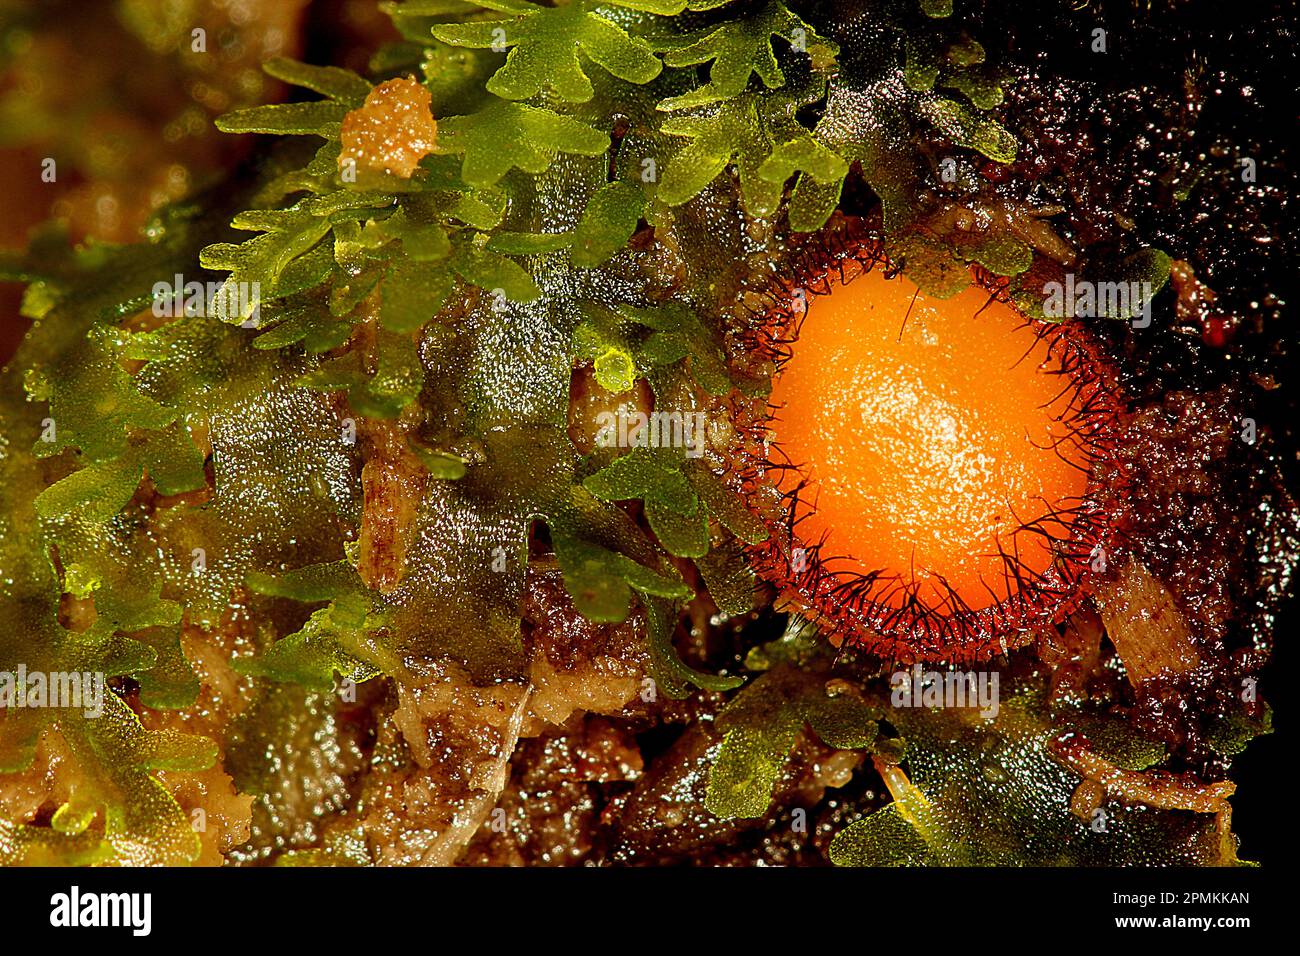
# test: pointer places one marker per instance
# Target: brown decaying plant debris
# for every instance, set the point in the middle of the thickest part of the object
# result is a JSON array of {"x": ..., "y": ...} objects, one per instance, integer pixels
[
  {"x": 392, "y": 132},
  {"x": 1154, "y": 788},
  {"x": 1144, "y": 624}
]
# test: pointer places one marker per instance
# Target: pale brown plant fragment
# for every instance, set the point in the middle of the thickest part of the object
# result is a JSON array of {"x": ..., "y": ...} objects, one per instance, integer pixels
[
  {"x": 1145, "y": 626},
  {"x": 391, "y": 133},
  {"x": 393, "y": 481},
  {"x": 1152, "y": 788}
]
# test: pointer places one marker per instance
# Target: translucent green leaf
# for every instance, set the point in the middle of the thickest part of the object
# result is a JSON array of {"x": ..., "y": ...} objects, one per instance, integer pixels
[
  {"x": 1003, "y": 255},
  {"x": 307, "y": 322},
  {"x": 1117, "y": 741},
  {"x": 173, "y": 462},
  {"x": 425, "y": 241},
  {"x": 714, "y": 140},
  {"x": 343, "y": 372},
  {"x": 761, "y": 725},
  {"x": 493, "y": 272},
  {"x": 602, "y": 339},
  {"x": 593, "y": 579},
  {"x": 170, "y": 682},
  {"x": 984, "y": 92},
  {"x": 398, "y": 377},
  {"x": 93, "y": 401},
  {"x": 429, "y": 8},
  {"x": 126, "y": 599},
  {"x": 441, "y": 465},
  {"x": 257, "y": 267},
  {"x": 762, "y": 722},
  {"x": 395, "y": 383},
  {"x": 482, "y": 209},
  {"x": 988, "y": 791},
  {"x": 743, "y": 130},
  {"x": 642, "y": 473},
  {"x": 454, "y": 76},
  {"x": 643, "y": 579},
  {"x": 318, "y": 118},
  {"x": 933, "y": 265},
  {"x": 261, "y": 260},
  {"x": 315, "y": 582},
  {"x": 738, "y": 49},
  {"x": 1231, "y": 734},
  {"x": 333, "y": 640},
  {"x": 682, "y": 531},
  {"x": 529, "y": 243},
  {"x": 615, "y": 370},
  {"x": 883, "y": 838},
  {"x": 607, "y": 223},
  {"x": 504, "y": 136},
  {"x": 1146, "y": 266},
  {"x": 680, "y": 334},
  {"x": 332, "y": 81},
  {"x": 724, "y": 503},
  {"x": 729, "y": 578},
  {"x": 303, "y": 273},
  {"x": 353, "y": 284},
  {"x": 412, "y": 294},
  {"x": 599, "y": 580},
  {"x": 969, "y": 128},
  {"x": 843, "y": 721},
  {"x": 544, "y": 45},
  {"x": 97, "y": 491},
  {"x": 669, "y": 672},
  {"x": 807, "y": 154},
  {"x": 666, "y": 8},
  {"x": 142, "y": 823},
  {"x": 673, "y": 510}
]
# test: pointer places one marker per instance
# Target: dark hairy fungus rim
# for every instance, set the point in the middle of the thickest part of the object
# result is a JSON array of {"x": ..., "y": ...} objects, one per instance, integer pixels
[{"x": 883, "y": 614}]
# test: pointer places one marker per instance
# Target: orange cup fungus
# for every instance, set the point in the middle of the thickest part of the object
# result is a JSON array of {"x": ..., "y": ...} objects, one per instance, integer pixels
[{"x": 937, "y": 462}]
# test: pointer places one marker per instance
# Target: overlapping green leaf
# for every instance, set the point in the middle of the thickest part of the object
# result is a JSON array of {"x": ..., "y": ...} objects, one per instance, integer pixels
[{"x": 544, "y": 45}]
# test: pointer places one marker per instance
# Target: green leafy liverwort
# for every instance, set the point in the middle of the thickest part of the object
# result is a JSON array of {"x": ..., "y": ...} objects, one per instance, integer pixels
[{"x": 213, "y": 476}]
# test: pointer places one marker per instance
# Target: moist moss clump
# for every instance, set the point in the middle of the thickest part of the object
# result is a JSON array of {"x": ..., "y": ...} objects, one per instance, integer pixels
[{"x": 592, "y": 183}]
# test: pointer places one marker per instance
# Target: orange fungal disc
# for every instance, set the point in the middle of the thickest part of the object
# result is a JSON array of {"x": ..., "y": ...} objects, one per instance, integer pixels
[{"x": 937, "y": 461}]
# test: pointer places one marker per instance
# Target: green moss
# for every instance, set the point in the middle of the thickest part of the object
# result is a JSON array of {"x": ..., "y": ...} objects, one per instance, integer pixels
[
  {"x": 483, "y": 280},
  {"x": 989, "y": 793}
]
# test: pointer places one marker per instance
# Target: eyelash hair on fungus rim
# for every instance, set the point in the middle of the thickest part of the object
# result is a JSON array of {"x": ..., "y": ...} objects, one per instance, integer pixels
[{"x": 935, "y": 473}]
